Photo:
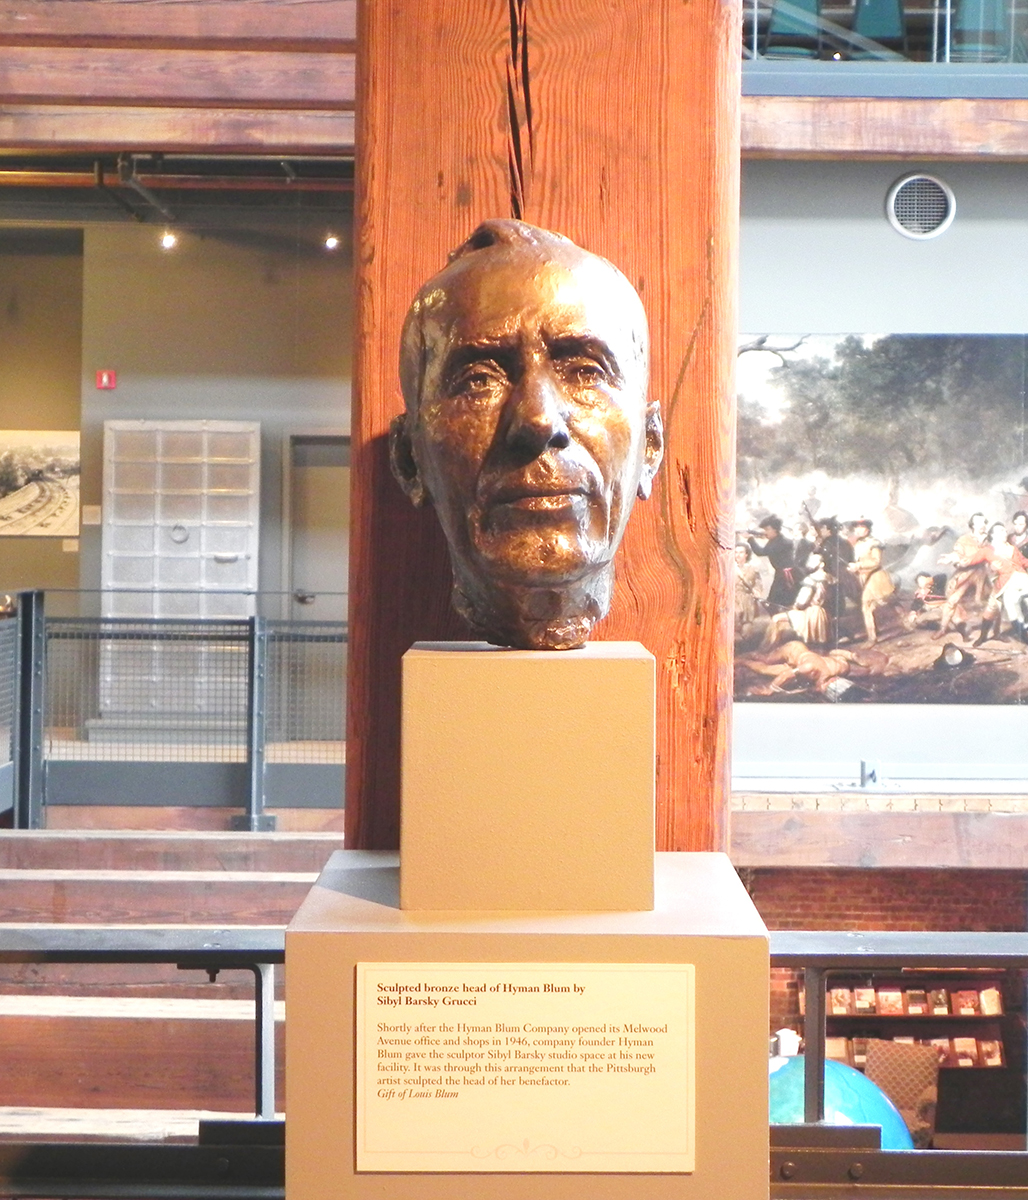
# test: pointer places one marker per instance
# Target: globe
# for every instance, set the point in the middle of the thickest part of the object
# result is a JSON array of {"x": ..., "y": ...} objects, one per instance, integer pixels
[{"x": 850, "y": 1099}]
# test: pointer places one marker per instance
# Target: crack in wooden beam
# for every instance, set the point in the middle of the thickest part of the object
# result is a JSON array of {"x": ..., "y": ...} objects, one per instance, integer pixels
[{"x": 519, "y": 108}]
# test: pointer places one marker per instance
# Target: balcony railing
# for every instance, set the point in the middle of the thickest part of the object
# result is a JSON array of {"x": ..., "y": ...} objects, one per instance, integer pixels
[
  {"x": 244, "y": 713},
  {"x": 886, "y": 31}
]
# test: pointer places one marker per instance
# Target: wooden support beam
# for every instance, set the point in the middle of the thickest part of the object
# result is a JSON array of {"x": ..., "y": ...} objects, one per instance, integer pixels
[
  {"x": 56, "y": 127},
  {"x": 837, "y": 127},
  {"x": 618, "y": 127},
  {"x": 194, "y": 78},
  {"x": 228, "y": 24},
  {"x": 880, "y": 839}
]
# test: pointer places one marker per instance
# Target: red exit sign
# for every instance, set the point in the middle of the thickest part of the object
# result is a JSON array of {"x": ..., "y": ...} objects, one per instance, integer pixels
[{"x": 107, "y": 381}]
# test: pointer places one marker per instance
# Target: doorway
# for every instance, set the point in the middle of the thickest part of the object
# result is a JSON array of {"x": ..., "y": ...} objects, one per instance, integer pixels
[{"x": 317, "y": 524}]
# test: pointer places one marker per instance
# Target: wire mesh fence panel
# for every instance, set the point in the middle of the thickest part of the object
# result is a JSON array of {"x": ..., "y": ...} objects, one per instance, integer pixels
[
  {"x": 147, "y": 690},
  {"x": 306, "y": 691},
  {"x": 8, "y": 686},
  {"x": 178, "y": 691},
  {"x": 72, "y": 692}
]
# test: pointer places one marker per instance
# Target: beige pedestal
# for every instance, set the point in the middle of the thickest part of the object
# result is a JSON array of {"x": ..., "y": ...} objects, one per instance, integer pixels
[
  {"x": 509, "y": 758},
  {"x": 702, "y": 916}
]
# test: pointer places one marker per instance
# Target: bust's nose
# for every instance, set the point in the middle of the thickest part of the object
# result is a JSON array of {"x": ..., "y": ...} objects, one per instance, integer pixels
[{"x": 536, "y": 415}]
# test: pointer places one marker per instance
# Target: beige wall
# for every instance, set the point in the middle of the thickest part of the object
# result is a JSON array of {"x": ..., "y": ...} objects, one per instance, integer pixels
[
  {"x": 236, "y": 325},
  {"x": 240, "y": 324},
  {"x": 40, "y": 369}
]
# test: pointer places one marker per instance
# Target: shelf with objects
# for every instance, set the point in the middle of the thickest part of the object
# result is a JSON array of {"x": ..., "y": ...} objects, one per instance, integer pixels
[{"x": 974, "y": 1021}]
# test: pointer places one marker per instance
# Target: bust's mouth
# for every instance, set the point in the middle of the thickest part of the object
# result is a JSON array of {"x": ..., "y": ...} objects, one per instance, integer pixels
[{"x": 538, "y": 499}]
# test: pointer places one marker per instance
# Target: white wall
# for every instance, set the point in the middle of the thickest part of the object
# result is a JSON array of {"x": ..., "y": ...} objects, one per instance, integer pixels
[{"x": 818, "y": 255}]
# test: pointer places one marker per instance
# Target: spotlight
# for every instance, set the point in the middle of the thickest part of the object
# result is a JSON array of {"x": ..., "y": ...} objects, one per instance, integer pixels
[
  {"x": 169, "y": 240},
  {"x": 331, "y": 242}
]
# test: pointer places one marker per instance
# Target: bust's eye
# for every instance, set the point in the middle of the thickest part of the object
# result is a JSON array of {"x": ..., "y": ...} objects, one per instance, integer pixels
[
  {"x": 477, "y": 379},
  {"x": 586, "y": 372}
]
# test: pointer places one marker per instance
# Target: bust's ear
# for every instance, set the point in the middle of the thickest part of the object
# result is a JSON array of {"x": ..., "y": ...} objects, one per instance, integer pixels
[
  {"x": 402, "y": 460},
  {"x": 654, "y": 452}
]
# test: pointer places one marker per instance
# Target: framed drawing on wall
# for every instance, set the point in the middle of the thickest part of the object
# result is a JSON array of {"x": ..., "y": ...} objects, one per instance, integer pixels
[
  {"x": 39, "y": 483},
  {"x": 882, "y": 519}
]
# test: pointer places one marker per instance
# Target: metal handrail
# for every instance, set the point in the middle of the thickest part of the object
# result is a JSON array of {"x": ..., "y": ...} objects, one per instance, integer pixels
[
  {"x": 247, "y": 644},
  {"x": 215, "y": 1171},
  {"x": 846, "y": 950}
]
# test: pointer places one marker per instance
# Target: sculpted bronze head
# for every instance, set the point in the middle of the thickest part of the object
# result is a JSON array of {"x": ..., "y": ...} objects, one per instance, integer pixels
[{"x": 524, "y": 368}]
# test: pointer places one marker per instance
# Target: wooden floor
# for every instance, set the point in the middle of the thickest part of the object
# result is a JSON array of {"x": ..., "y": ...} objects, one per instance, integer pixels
[
  {"x": 141, "y": 818},
  {"x": 166, "y": 850},
  {"x": 137, "y": 1050},
  {"x": 151, "y": 897}
]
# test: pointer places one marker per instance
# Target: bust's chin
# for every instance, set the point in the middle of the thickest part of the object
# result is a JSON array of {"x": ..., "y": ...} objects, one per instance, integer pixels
[{"x": 552, "y": 616}]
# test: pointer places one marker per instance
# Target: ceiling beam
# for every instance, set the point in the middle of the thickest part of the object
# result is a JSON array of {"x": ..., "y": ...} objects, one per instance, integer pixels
[
  {"x": 197, "y": 78},
  {"x": 967, "y": 840},
  {"x": 838, "y": 127},
  {"x": 143, "y": 130},
  {"x": 228, "y": 24}
]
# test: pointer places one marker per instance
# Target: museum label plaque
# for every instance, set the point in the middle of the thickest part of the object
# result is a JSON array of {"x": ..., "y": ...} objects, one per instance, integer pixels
[{"x": 525, "y": 1067}]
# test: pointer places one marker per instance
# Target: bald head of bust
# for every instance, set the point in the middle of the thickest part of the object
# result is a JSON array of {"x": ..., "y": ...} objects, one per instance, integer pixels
[{"x": 524, "y": 369}]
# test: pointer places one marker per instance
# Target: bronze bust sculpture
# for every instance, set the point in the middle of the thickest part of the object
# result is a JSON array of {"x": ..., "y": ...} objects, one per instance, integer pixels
[{"x": 524, "y": 369}]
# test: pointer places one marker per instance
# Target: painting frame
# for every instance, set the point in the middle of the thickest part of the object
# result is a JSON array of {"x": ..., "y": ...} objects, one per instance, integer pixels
[
  {"x": 882, "y": 519},
  {"x": 40, "y": 472}
]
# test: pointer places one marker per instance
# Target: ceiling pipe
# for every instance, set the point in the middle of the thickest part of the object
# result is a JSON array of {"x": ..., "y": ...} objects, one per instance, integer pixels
[
  {"x": 127, "y": 177},
  {"x": 100, "y": 183},
  {"x": 222, "y": 183}
]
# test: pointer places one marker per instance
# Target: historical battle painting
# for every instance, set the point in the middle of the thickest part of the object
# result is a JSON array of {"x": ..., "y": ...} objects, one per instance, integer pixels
[
  {"x": 881, "y": 548},
  {"x": 39, "y": 483}
]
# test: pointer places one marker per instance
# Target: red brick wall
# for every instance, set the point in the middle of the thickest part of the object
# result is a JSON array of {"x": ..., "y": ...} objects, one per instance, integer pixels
[
  {"x": 794, "y": 898},
  {"x": 785, "y": 1004}
]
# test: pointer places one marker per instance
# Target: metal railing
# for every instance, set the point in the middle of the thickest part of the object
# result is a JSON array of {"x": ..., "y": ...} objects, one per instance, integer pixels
[
  {"x": 154, "y": 688},
  {"x": 234, "y": 1160},
  {"x": 8, "y": 706},
  {"x": 943, "y": 31},
  {"x": 306, "y": 665},
  {"x": 246, "y": 713}
]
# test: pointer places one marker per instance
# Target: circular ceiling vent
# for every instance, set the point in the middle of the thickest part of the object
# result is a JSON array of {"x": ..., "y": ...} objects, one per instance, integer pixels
[{"x": 920, "y": 206}]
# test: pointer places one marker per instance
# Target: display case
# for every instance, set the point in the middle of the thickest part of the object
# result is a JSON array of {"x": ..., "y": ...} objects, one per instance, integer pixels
[{"x": 973, "y": 1017}]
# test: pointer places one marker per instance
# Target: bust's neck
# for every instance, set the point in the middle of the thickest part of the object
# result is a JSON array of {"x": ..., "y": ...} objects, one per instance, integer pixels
[{"x": 536, "y": 618}]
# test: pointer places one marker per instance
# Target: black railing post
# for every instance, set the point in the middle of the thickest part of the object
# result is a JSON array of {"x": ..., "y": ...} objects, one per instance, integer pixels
[
  {"x": 256, "y": 724},
  {"x": 28, "y": 783},
  {"x": 814, "y": 1044}
]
